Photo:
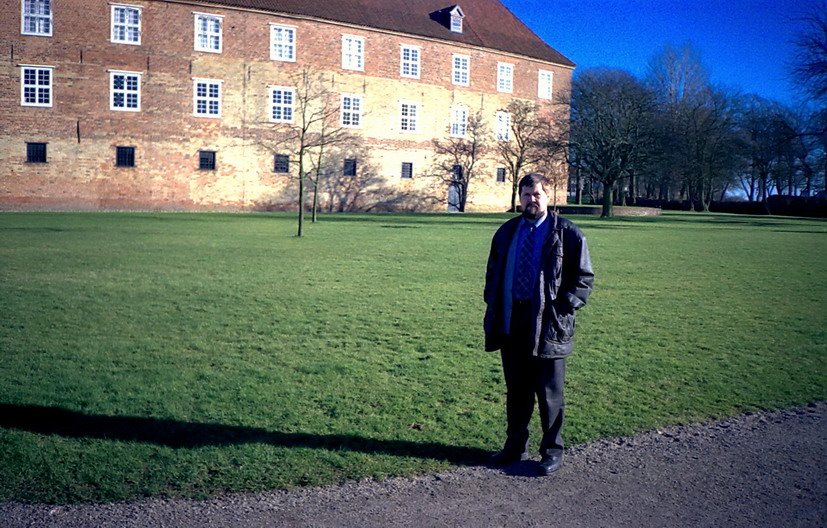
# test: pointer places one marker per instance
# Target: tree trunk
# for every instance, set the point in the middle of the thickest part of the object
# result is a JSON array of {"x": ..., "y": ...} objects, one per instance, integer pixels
[
  {"x": 608, "y": 190},
  {"x": 578, "y": 193},
  {"x": 514, "y": 184},
  {"x": 315, "y": 198},
  {"x": 301, "y": 195}
]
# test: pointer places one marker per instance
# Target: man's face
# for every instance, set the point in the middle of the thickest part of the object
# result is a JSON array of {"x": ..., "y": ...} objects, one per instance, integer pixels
[{"x": 534, "y": 201}]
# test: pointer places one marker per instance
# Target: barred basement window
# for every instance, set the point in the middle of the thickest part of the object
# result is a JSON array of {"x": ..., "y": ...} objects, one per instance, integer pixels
[
  {"x": 282, "y": 163},
  {"x": 349, "y": 168},
  {"x": 36, "y": 152},
  {"x": 124, "y": 156},
  {"x": 206, "y": 160},
  {"x": 500, "y": 174},
  {"x": 407, "y": 169}
]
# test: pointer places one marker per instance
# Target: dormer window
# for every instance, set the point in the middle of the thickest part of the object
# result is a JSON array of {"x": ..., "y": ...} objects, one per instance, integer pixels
[{"x": 456, "y": 19}]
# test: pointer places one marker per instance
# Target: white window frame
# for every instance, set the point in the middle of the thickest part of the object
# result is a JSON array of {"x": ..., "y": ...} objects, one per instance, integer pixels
[
  {"x": 209, "y": 34},
  {"x": 502, "y": 128},
  {"x": 125, "y": 91},
  {"x": 353, "y": 59},
  {"x": 206, "y": 98},
  {"x": 505, "y": 77},
  {"x": 127, "y": 25},
  {"x": 545, "y": 84},
  {"x": 413, "y": 63},
  {"x": 460, "y": 72},
  {"x": 38, "y": 18},
  {"x": 36, "y": 86},
  {"x": 409, "y": 115},
  {"x": 289, "y": 106},
  {"x": 456, "y": 20},
  {"x": 347, "y": 114},
  {"x": 288, "y": 47},
  {"x": 459, "y": 121}
]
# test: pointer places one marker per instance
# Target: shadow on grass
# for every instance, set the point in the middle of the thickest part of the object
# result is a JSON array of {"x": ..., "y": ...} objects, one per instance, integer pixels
[{"x": 185, "y": 435}]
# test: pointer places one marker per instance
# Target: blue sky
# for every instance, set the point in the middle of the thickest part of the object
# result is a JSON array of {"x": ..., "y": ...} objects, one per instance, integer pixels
[{"x": 745, "y": 44}]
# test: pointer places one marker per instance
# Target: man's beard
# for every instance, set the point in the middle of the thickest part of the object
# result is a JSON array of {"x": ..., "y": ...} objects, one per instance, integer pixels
[{"x": 536, "y": 213}]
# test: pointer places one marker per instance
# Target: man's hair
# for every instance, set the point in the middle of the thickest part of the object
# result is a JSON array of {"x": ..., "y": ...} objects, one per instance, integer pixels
[{"x": 530, "y": 180}]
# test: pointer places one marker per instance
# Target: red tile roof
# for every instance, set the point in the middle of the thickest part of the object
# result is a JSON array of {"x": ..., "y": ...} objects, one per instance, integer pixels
[{"x": 487, "y": 23}]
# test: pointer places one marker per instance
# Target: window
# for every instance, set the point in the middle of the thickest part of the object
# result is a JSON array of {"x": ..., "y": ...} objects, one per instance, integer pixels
[
  {"x": 349, "y": 168},
  {"x": 500, "y": 174},
  {"x": 281, "y": 104},
  {"x": 126, "y": 24},
  {"x": 124, "y": 156},
  {"x": 353, "y": 53},
  {"x": 462, "y": 66},
  {"x": 36, "y": 152},
  {"x": 503, "y": 123},
  {"x": 281, "y": 163},
  {"x": 282, "y": 43},
  {"x": 208, "y": 32},
  {"x": 407, "y": 170},
  {"x": 36, "y": 86},
  {"x": 207, "y": 98},
  {"x": 125, "y": 89},
  {"x": 351, "y": 110},
  {"x": 545, "y": 80},
  {"x": 409, "y": 62},
  {"x": 36, "y": 18},
  {"x": 456, "y": 20},
  {"x": 505, "y": 77},
  {"x": 408, "y": 113},
  {"x": 459, "y": 121},
  {"x": 206, "y": 160}
]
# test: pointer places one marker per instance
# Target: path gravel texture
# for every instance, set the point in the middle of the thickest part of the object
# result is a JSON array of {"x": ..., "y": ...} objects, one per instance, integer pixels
[{"x": 755, "y": 470}]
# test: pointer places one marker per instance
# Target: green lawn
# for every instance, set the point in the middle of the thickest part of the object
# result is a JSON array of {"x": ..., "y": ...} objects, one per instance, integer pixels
[{"x": 191, "y": 354}]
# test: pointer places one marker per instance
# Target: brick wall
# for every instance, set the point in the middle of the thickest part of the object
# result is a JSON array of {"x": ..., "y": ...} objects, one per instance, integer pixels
[{"x": 82, "y": 132}]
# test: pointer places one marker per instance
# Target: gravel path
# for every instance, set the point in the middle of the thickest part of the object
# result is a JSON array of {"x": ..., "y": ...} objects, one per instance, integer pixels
[{"x": 762, "y": 469}]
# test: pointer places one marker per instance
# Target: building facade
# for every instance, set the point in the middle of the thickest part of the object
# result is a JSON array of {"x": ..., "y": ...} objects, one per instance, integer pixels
[{"x": 185, "y": 105}]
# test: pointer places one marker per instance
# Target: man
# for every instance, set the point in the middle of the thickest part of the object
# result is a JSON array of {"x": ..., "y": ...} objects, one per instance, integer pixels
[{"x": 539, "y": 272}]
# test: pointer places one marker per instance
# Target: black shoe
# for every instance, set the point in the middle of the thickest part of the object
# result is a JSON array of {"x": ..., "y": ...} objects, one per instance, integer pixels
[
  {"x": 503, "y": 458},
  {"x": 550, "y": 463}
]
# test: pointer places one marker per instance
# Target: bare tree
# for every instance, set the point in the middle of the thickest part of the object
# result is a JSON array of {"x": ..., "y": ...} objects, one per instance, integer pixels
[
  {"x": 609, "y": 112},
  {"x": 518, "y": 141},
  {"x": 809, "y": 67},
  {"x": 456, "y": 158},
  {"x": 312, "y": 127}
]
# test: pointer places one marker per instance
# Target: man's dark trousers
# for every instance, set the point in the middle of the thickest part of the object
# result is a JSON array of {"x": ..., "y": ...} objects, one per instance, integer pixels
[{"x": 527, "y": 377}]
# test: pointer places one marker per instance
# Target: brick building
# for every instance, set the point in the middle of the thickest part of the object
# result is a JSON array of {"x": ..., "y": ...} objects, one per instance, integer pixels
[{"x": 152, "y": 104}]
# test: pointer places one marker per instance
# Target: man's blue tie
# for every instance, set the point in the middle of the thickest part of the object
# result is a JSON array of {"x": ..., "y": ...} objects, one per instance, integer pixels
[{"x": 525, "y": 266}]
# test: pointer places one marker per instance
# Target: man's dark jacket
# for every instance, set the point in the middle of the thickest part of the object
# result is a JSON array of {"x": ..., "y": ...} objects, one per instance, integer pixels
[{"x": 564, "y": 284}]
